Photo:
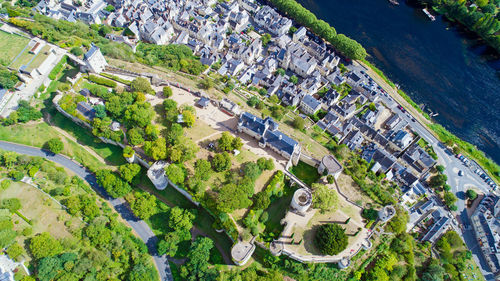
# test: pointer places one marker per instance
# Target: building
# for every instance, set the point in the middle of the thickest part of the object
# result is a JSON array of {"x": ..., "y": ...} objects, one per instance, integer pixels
[
  {"x": 386, "y": 213},
  {"x": 486, "y": 224},
  {"x": 402, "y": 139},
  {"x": 203, "y": 102},
  {"x": 266, "y": 131},
  {"x": 86, "y": 110},
  {"x": 309, "y": 105},
  {"x": 94, "y": 60},
  {"x": 438, "y": 228},
  {"x": 330, "y": 166}
]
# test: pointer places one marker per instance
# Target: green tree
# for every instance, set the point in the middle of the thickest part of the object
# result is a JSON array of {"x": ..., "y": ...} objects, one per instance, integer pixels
[
  {"x": 237, "y": 143},
  {"x": 324, "y": 198},
  {"x": 265, "y": 164},
  {"x": 115, "y": 106},
  {"x": 138, "y": 114},
  {"x": 188, "y": 118},
  {"x": 231, "y": 197},
  {"x": 226, "y": 141},
  {"x": 141, "y": 84},
  {"x": 251, "y": 170},
  {"x": 48, "y": 268},
  {"x": 207, "y": 83},
  {"x": 15, "y": 251},
  {"x": 12, "y": 204},
  {"x": 175, "y": 173},
  {"x": 299, "y": 123},
  {"x": 261, "y": 201},
  {"x": 280, "y": 72},
  {"x": 144, "y": 205},
  {"x": 7, "y": 236},
  {"x": 293, "y": 79},
  {"x": 398, "y": 223},
  {"x": 370, "y": 214},
  {"x": 169, "y": 244},
  {"x": 135, "y": 136},
  {"x": 471, "y": 194},
  {"x": 113, "y": 184},
  {"x": 221, "y": 162},
  {"x": 55, "y": 145},
  {"x": 156, "y": 149},
  {"x": 331, "y": 239},
  {"x": 129, "y": 171},
  {"x": 167, "y": 92},
  {"x": 44, "y": 245},
  {"x": 77, "y": 51},
  {"x": 265, "y": 39},
  {"x": 202, "y": 169},
  {"x": 449, "y": 199},
  {"x": 197, "y": 266}
]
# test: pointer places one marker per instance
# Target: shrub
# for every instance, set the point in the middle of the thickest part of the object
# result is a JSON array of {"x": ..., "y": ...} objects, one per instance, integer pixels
[
  {"x": 77, "y": 51},
  {"x": 55, "y": 145},
  {"x": 102, "y": 81},
  {"x": 58, "y": 68}
]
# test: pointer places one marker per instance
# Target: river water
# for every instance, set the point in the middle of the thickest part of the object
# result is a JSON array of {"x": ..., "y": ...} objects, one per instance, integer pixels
[{"x": 435, "y": 63}]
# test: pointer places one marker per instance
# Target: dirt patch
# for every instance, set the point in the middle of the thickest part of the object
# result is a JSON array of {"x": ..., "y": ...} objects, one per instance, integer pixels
[{"x": 350, "y": 189}]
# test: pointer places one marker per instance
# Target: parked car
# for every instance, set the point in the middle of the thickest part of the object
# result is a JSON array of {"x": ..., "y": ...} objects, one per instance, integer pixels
[
  {"x": 460, "y": 173},
  {"x": 458, "y": 155}
]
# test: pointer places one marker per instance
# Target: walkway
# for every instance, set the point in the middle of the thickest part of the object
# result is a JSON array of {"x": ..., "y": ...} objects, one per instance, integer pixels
[{"x": 139, "y": 226}]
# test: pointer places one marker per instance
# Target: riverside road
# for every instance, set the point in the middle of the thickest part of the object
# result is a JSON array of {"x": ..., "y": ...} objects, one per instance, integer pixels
[{"x": 139, "y": 226}]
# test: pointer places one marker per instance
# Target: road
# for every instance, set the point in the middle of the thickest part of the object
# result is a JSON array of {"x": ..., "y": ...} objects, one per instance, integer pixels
[{"x": 139, "y": 226}]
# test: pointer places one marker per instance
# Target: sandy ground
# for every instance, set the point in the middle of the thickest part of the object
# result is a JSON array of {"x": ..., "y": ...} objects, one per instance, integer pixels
[
  {"x": 351, "y": 189},
  {"x": 384, "y": 116}
]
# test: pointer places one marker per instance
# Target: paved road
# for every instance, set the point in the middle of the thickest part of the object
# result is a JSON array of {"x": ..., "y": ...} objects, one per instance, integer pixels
[{"x": 120, "y": 205}]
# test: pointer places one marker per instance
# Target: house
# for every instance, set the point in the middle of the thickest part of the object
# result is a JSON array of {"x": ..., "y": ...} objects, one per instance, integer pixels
[
  {"x": 402, "y": 139},
  {"x": 345, "y": 110},
  {"x": 94, "y": 60},
  {"x": 392, "y": 122},
  {"x": 266, "y": 131},
  {"x": 7, "y": 268},
  {"x": 331, "y": 97},
  {"x": 270, "y": 20},
  {"x": 203, "y": 102},
  {"x": 86, "y": 110},
  {"x": 418, "y": 159},
  {"x": 353, "y": 140},
  {"x": 439, "y": 227},
  {"x": 309, "y": 105},
  {"x": 300, "y": 34},
  {"x": 85, "y": 92}
]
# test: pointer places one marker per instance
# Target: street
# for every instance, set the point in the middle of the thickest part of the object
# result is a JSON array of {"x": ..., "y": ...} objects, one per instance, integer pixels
[{"x": 140, "y": 227}]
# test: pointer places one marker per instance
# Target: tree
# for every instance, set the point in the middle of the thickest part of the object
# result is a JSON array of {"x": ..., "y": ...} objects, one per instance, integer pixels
[
  {"x": 398, "y": 223},
  {"x": 167, "y": 92},
  {"x": 135, "y": 136},
  {"x": 144, "y": 205},
  {"x": 265, "y": 163},
  {"x": 265, "y": 39},
  {"x": 48, "y": 268},
  {"x": 171, "y": 111},
  {"x": 197, "y": 266},
  {"x": 253, "y": 101},
  {"x": 324, "y": 198},
  {"x": 221, "y": 162},
  {"x": 252, "y": 171},
  {"x": 100, "y": 111},
  {"x": 331, "y": 239},
  {"x": 293, "y": 79},
  {"x": 138, "y": 114},
  {"x": 449, "y": 199},
  {"x": 330, "y": 179},
  {"x": 175, "y": 132},
  {"x": 143, "y": 272},
  {"x": 261, "y": 201},
  {"x": 55, "y": 145},
  {"x": 236, "y": 143},
  {"x": 207, "y": 83},
  {"x": 113, "y": 184},
  {"x": 175, "y": 173},
  {"x": 471, "y": 194},
  {"x": 434, "y": 272},
  {"x": 299, "y": 123},
  {"x": 231, "y": 197},
  {"x": 129, "y": 171},
  {"x": 188, "y": 118},
  {"x": 440, "y": 168},
  {"x": 156, "y": 149},
  {"x": 226, "y": 141},
  {"x": 438, "y": 180},
  {"x": 202, "y": 169},
  {"x": 180, "y": 219},
  {"x": 370, "y": 214},
  {"x": 280, "y": 71},
  {"x": 168, "y": 245},
  {"x": 141, "y": 84},
  {"x": 44, "y": 245},
  {"x": 115, "y": 106},
  {"x": 7, "y": 236}
]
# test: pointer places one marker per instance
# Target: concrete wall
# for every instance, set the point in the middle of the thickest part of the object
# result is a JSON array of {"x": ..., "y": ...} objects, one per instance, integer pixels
[{"x": 309, "y": 160}]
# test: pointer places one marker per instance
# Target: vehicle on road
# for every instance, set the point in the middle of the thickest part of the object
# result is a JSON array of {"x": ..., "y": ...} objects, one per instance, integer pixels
[
  {"x": 400, "y": 107},
  {"x": 413, "y": 120},
  {"x": 460, "y": 173}
]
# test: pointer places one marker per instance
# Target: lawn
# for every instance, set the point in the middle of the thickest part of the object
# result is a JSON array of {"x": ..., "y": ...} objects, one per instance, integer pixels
[
  {"x": 37, "y": 134},
  {"x": 306, "y": 173},
  {"x": 111, "y": 153},
  {"x": 23, "y": 59},
  {"x": 39, "y": 58},
  {"x": 11, "y": 45},
  {"x": 45, "y": 214},
  {"x": 277, "y": 210}
]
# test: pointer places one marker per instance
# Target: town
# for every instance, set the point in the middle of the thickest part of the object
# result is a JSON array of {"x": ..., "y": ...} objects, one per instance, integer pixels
[{"x": 281, "y": 137}]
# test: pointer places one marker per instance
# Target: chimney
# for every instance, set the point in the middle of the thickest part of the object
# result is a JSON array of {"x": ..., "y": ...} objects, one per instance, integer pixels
[{"x": 280, "y": 137}]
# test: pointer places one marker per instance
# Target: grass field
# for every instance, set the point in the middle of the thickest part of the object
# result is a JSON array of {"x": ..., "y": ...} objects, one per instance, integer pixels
[
  {"x": 45, "y": 214},
  {"x": 37, "y": 134},
  {"x": 10, "y": 46},
  {"x": 39, "y": 58},
  {"x": 23, "y": 59},
  {"x": 306, "y": 173}
]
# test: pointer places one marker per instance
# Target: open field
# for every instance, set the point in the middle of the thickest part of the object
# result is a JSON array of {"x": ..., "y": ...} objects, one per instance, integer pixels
[
  {"x": 45, "y": 214},
  {"x": 306, "y": 173},
  {"x": 24, "y": 59},
  {"x": 350, "y": 189},
  {"x": 37, "y": 134},
  {"x": 10, "y": 46},
  {"x": 39, "y": 58}
]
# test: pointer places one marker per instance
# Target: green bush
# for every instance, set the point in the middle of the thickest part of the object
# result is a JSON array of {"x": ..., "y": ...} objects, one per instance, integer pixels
[
  {"x": 58, "y": 68},
  {"x": 116, "y": 78},
  {"x": 102, "y": 81},
  {"x": 331, "y": 239}
]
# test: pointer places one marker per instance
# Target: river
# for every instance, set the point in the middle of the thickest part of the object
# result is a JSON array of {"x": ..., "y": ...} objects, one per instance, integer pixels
[{"x": 435, "y": 63}]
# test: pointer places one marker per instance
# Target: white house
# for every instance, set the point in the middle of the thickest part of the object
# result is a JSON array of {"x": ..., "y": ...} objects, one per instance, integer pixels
[{"x": 94, "y": 60}]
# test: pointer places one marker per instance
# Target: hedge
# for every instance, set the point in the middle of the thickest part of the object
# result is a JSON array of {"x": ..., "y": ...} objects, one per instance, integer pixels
[
  {"x": 58, "y": 68},
  {"x": 116, "y": 78},
  {"x": 102, "y": 81}
]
